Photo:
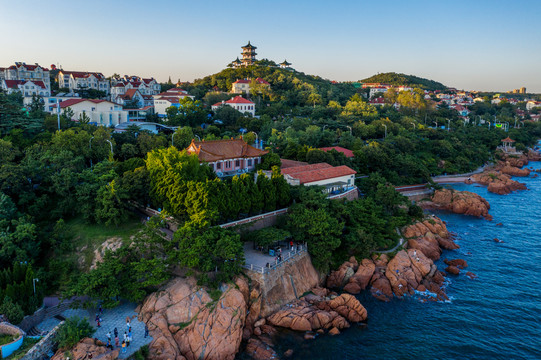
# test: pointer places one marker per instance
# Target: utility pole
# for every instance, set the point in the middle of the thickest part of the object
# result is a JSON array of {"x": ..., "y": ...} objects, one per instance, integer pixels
[
  {"x": 58, "y": 112},
  {"x": 385, "y": 130},
  {"x": 173, "y": 139},
  {"x": 448, "y": 125},
  {"x": 34, "y": 283}
]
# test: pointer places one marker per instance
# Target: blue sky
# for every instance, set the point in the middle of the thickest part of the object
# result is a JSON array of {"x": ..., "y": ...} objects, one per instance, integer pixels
[{"x": 473, "y": 45}]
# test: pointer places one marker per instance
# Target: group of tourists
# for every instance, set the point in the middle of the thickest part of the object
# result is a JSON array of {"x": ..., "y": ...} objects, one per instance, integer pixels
[{"x": 127, "y": 337}]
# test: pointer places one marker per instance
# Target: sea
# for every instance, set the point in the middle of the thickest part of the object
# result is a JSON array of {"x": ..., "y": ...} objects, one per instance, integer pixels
[{"x": 495, "y": 316}]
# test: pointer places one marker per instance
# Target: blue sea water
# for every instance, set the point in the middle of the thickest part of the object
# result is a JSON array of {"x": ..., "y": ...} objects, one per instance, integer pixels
[{"x": 496, "y": 316}]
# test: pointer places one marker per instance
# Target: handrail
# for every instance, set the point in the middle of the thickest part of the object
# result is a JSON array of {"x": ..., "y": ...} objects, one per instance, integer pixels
[{"x": 265, "y": 270}]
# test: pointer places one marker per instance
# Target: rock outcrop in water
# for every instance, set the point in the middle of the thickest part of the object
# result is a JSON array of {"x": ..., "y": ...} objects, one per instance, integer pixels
[
  {"x": 430, "y": 237},
  {"x": 498, "y": 183},
  {"x": 459, "y": 202}
]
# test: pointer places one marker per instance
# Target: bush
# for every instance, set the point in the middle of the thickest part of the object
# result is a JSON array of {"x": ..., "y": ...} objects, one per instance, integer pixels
[
  {"x": 73, "y": 330},
  {"x": 11, "y": 310}
]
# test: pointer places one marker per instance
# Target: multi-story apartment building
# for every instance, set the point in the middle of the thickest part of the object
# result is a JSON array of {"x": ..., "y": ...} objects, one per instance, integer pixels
[
  {"x": 75, "y": 80},
  {"x": 99, "y": 112},
  {"x": 23, "y": 72},
  {"x": 27, "y": 88}
]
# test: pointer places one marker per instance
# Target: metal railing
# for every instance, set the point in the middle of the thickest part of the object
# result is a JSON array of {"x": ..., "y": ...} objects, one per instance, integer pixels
[
  {"x": 254, "y": 218},
  {"x": 277, "y": 264}
]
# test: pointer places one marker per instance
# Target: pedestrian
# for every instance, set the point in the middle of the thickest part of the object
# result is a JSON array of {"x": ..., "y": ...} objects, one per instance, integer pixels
[
  {"x": 109, "y": 336},
  {"x": 116, "y": 332},
  {"x": 99, "y": 324},
  {"x": 128, "y": 325},
  {"x": 129, "y": 336},
  {"x": 117, "y": 341},
  {"x": 125, "y": 337},
  {"x": 123, "y": 346},
  {"x": 108, "y": 343},
  {"x": 128, "y": 340},
  {"x": 101, "y": 309},
  {"x": 291, "y": 245},
  {"x": 146, "y": 326},
  {"x": 97, "y": 318}
]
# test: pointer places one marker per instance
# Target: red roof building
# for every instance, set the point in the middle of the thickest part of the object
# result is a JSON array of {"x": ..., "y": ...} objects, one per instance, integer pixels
[
  {"x": 227, "y": 157},
  {"x": 242, "y": 86},
  {"x": 348, "y": 153},
  {"x": 333, "y": 178},
  {"x": 238, "y": 103}
]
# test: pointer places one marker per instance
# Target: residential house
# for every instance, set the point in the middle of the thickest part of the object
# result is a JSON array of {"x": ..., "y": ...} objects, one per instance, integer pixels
[
  {"x": 23, "y": 72},
  {"x": 242, "y": 86},
  {"x": 238, "y": 103},
  {"x": 27, "y": 88},
  {"x": 100, "y": 112},
  {"x": 461, "y": 110},
  {"x": 379, "y": 101},
  {"x": 532, "y": 104},
  {"x": 333, "y": 178},
  {"x": 227, "y": 157},
  {"x": 169, "y": 98},
  {"x": 147, "y": 87},
  {"x": 50, "y": 103},
  {"x": 75, "y": 80},
  {"x": 129, "y": 96}
]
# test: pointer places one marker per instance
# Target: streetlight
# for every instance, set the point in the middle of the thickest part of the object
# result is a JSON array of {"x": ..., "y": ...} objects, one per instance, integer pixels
[
  {"x": 385, "y": 131},
  {"x": 256, "y": 139},
  {"x": 90, "y": 145},
  {"x": 58, "y": 112},
  {"x": 173, "y": 139},
  {"x": 198, "y": 138},
  {"x": 413, "y": 125},
  {"x": 448, "y": 125},
  {"x": 515, "y": 122},
  {"x": 34, "y": 283},
  {"x": 350, "y": 132},
  {"x": 110, "y": 143},
  {"x": 507, "y": 127}
]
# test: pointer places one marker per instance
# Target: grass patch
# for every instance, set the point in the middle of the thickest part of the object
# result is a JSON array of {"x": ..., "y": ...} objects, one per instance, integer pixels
[
  {"x": 27, "y": 345},
  {"x": 141, "y": 354},
  {"x": 215, "y": 294},
  {"x": 6, "y": 339},
  {"x": 87, "y": 237}
]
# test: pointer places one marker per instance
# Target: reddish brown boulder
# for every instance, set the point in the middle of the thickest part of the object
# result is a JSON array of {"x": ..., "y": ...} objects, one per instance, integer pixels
[
  {"x": 499, "y": 224},
  {"x": 498, "y": 183},
  {"x": 514, "y": 171},
  {"x": 471, "y": 275},
  {"x": 259, "y": 350},
  {"x": 459, "y": 202},
  {"x": 381, "y": 288},
  {"x": 452, "y": 270},
  {"x": 209, "y": 331},
  {"x": 337, "y": 279},
  {"x": 334, "y": 331},
  {"x": 288, "y": 353},
  {"x": 362, "y": 277},
  {"x": 88, "y": 346},
  {"x": 349, "y": 307},
  {"x": 459, "y": 263}
]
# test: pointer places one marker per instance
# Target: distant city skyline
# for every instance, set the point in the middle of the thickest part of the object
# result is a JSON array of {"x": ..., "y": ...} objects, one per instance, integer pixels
[{"x": 471, "y": 45}]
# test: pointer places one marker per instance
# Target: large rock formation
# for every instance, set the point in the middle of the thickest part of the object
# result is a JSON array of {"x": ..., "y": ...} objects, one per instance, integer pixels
[
  {"x": 459, "y": 202},
  {"x": 313, "y": 313},
  {"x": 514, "y": 171},
  {"x": 186, "y": 323},
  {"x": 88, "y": 346},
  {"x": 429, "y": 236},
  {"x": 338, "y": 278},
  {"x": 498, "y": 183},
  {"x": 360, "y": 280}
]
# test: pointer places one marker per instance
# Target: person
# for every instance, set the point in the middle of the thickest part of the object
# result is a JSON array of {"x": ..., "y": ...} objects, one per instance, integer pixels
[
  {"x": 117, "y": 341},
  {"x": 99, "y": 324},
  {"x": 146, "y": 328},
  {"x": 109, "y": 344},
  {"x": 116, "y": 332},
  {"x": 128, "y": 325},
  {"x": 101, "y": 309},
  {"x": 291, "y": 245},
  {"x": 129, "y": 337},
  {"x": 125, "y": 337},
  {"x": 109, "y": 336},
  {"x": 123, "y": 346}
]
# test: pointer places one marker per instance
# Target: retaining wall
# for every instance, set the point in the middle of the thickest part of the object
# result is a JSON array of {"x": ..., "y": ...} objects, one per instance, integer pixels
[
  {"x": 43, "y": 347},
  {"x": 8, "y": 349}
]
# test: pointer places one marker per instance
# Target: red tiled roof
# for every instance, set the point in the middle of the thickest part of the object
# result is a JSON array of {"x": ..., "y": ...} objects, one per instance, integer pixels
[
  {"x": 130, "y": 93},
  {"x": 247, "y": 81},
  {"x": 378, "y": 100},
  {"x": 239, "y": 100},
  {"x": 508, "y": 139},
  {"x": 312, "y": 173},
  {"x": 299, "y": 169},
  {"x": 13, "y": 84},
  {"x": 215, "y": 150},
  {"x": 286, "y": 163},
  {"x": 70, "y": 102},
  {"x": 344, "y": 151}
]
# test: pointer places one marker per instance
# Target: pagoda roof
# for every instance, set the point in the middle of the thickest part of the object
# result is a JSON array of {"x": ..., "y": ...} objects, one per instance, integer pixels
[
  {"x": 508, "y": 139},
  {"x": 215, "y": 150},
  {"x": 285, "y": 63},
  {"x": 237, "y": 61},
  {"x": 249, "y": 46}
]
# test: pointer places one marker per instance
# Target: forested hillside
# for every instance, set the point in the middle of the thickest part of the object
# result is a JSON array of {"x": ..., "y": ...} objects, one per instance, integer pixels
[{"x": 393, "y": 78}]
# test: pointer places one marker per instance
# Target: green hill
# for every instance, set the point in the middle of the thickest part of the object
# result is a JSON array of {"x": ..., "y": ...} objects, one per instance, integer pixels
[
  {"x": 392, "y": 78},
  {"x": 289, "y": 86}
]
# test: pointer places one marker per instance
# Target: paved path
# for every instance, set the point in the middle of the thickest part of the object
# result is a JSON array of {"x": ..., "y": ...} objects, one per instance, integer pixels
[
  {"x": 401, "y": 242},
  {"x": 111, "y": 318},
  {"x": 117, "y": 318}
]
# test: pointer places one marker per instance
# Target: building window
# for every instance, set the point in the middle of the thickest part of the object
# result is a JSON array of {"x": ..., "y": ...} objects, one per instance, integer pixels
[
  {"x": 218, "y": 166},
  {"x": 250, "y": 162},
  {"x": 237, "y": 163}
]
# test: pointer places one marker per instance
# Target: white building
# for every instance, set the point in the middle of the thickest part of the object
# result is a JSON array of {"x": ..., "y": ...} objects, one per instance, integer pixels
[
  {"x": 532, "y": 104},
  {"x": 23, "y": 72},
  {"x": 75, "y": 80},
  {"x": 169, "y": 98},
  {"x": 100, "y": 112},
  {"x": 242, "y": 86},
  {"x": 146, "y": 86},
  {"x": 27, "y": 88},
  {"x": 238, "y": 103},
  {"x": 50, "y": 102},
  {"x": 333, "y": 178}
]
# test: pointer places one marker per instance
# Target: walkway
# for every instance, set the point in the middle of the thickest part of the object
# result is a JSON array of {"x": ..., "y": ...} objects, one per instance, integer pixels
[
  {"x": 256, "y": 257},
  {"x": 111, "y": 318},
  {"x": 400, "y": 243}
]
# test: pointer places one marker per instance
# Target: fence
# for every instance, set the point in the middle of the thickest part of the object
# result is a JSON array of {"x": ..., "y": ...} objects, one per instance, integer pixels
[
  {"x": 295, "y": 253},
  {"x": 254, "y": 218}
]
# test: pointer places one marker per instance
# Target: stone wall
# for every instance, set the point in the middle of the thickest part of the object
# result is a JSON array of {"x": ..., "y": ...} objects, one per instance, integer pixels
[
  {"x": 286, "y": 283},
  {"x": 30, "y": 321},
  {"x": 9, "y": 329},
  {"x": 43, "y": 347}
]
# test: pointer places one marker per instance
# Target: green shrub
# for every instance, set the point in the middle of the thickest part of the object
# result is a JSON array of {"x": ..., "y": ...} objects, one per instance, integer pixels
[
  {"x": 73, "y": 330},
  {"x": 11, "y": 310}
]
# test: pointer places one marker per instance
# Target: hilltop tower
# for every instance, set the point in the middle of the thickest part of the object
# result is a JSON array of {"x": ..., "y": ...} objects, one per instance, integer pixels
[
  {"x": 285, "y": 65},
  {"x": 248, "y": 54}
]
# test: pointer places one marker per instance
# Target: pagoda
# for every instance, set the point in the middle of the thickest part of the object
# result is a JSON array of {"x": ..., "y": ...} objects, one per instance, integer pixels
[
  {"x": 236, "y": 63},
  {"x": 248, "y": 54},
  {"x": 285, "y": 65}
]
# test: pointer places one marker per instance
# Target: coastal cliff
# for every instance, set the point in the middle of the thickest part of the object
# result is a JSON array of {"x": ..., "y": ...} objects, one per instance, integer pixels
[{"x": 458, "y": 202}]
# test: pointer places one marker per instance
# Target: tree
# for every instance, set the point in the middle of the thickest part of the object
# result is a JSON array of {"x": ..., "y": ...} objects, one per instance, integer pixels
[
  {"x": 72, "y": 331},
  {"x": 267, "y": 191},
  {"x": 111, "y": 204},
  {"x": 183, "y": 137},
  {"x": 268, "y": 161}
]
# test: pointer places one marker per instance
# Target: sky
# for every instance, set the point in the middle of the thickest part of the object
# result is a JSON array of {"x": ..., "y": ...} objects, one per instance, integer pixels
[{"x": 471, "y": 45}]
